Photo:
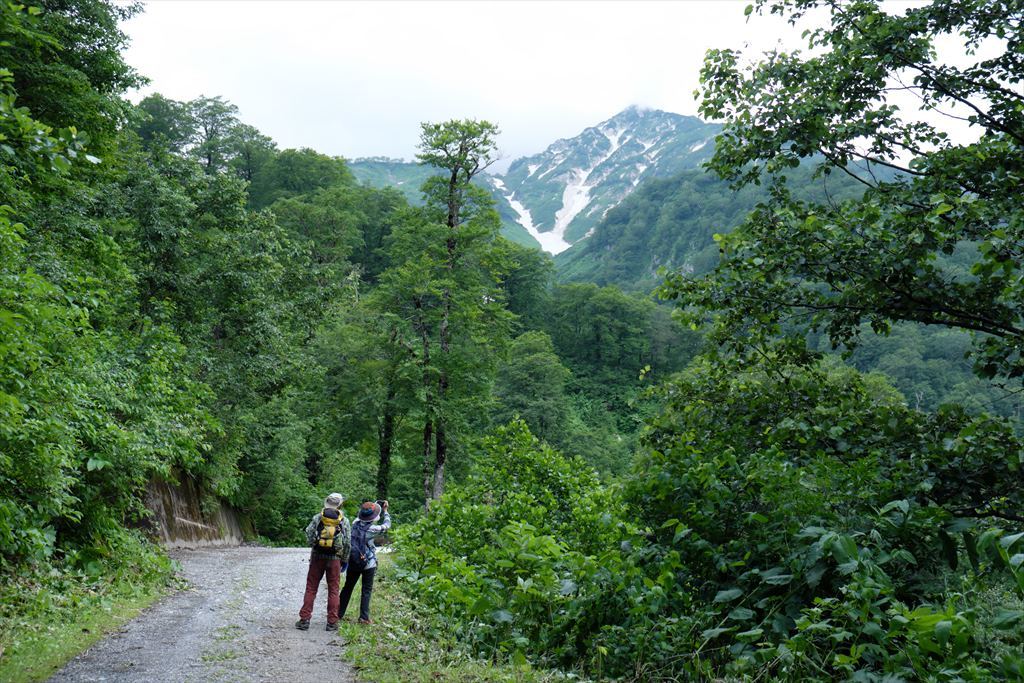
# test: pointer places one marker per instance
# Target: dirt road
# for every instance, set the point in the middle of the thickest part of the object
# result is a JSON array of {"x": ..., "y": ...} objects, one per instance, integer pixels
[{"x": 235, "y": 622}]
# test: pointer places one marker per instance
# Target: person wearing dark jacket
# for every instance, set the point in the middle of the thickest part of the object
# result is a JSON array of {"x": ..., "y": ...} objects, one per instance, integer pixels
[
  {"x": 329, "y": 536},
  {"x": 362, "y": 560}
]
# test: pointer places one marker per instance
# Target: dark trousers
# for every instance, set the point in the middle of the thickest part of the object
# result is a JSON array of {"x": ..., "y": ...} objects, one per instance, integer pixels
[
  {"x": 317, "y": 569},
  {"x": 353, "y": 575}
]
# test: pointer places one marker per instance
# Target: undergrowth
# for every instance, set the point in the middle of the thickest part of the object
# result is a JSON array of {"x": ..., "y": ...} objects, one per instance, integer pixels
[
  {"x": 408, "y": 644},
  {"x": 50, "y": 613}
]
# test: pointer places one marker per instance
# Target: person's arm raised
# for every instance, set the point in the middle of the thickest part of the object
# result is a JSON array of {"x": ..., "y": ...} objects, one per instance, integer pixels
[{"x": 385, "y": 524}]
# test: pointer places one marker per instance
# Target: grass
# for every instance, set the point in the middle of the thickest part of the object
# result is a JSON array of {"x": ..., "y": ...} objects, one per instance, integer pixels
[
  {"x": 40, "y": 633},
  {"x": 407, "y": 645}
]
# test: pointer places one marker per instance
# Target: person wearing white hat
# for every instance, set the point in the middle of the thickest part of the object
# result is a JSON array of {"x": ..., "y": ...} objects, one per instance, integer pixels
[{"x": 329, "y": 536}]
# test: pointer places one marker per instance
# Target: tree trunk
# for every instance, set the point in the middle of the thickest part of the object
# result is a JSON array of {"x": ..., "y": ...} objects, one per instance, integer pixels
[
  {"x": 428, "y": 407},
  {"x": 428, "y": 431},
  {"x": 453, "y": 200},
  {"x": 441, "y": 434},
  {"x": 441, "y": 449},
  {"x": 385, "y": 440},
  {"x": 440, "y": 455}
]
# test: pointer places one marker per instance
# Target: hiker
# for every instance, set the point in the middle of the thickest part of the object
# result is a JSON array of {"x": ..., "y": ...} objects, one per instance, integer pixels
[
  {"x": 329, "y": 535},
  {"x": 362, "y": 560}
]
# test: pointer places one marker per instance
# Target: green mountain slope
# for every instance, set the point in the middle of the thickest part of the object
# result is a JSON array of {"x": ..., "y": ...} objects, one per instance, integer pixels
[{"x": 670, "y": 223}]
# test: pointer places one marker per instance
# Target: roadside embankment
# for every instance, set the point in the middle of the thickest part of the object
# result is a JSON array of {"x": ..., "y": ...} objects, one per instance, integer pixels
[{"x": 184, "y": 518}]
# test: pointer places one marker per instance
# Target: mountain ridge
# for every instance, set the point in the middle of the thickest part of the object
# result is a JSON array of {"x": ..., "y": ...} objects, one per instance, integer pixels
[
  {"x": 561, "y": 193},
  {"x": 555, "y": 198}
]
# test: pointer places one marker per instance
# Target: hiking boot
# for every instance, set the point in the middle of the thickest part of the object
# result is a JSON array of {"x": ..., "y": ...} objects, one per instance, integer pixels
[
  {"x": 302, "y": 624},
  {"x": 332, "y": 627},
  {"x": 365, "y": 622}
]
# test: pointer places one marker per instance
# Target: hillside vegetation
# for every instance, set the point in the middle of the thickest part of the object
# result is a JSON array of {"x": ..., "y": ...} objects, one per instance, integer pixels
[
  {"x": 581, "y": 480},
  {"x": 181, "y": 298}
]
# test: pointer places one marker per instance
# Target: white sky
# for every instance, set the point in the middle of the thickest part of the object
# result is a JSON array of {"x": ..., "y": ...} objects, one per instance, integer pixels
[{"x": 357, "y": 78}]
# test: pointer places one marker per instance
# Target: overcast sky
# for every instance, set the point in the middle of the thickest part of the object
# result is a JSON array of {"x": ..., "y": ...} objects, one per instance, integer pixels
[{"x": 356, "y": 78}]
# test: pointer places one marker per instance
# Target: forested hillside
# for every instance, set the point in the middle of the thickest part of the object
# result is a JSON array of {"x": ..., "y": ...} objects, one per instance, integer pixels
[
  {"x": 581, "y": 479},
  {"x": 671, "y": 224},
  {"x": 182, "y": 298}
]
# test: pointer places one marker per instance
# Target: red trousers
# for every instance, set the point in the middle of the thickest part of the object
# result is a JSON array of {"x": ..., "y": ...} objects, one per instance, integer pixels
[{"x": 317, "y": 569}]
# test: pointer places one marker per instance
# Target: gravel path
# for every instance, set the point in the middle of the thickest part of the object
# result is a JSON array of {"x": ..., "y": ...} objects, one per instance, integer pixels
[{"x": 235, "y": 622}]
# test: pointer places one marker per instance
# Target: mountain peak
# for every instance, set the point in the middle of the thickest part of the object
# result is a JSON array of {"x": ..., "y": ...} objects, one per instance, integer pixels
[{"x": 560, "y": 194}]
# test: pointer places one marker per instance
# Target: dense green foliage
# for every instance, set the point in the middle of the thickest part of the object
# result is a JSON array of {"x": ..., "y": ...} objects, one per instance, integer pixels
[
  {"x": 180, "y": 298},
  {"x": 93, "y": 397},
  {"x": 606, "y": 491},
  {"x": 936, "y": 244},
  {"x": 787, "y": 517},
  {"x": 851, "y": 574},
  {"x": 505, "y": 549},
  {"x": 797, "y": 523}
]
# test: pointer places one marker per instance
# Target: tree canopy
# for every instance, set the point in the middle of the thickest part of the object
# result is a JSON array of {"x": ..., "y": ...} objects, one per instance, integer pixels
[{"x": 939, "y": 242}]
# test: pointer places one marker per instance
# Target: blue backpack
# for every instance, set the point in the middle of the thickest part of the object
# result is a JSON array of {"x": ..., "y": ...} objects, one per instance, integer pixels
[{"x": 360, "y": 544}]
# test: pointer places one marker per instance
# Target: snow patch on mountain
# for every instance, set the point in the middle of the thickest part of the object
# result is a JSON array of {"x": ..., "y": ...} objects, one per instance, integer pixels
[
  {"x": 577, "y": 191},
  {"x": 570, "y": 186},
  {"x": 640, "y": 168},
  {"x": 549, "y": 241},
  {"x": 575, "y": 198}
]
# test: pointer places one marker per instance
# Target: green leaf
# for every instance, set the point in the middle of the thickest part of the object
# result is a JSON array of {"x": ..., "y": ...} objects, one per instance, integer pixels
[
  {"x": 481, "y": 606},
  {"x": 728, "y": 595},
  {"x": 942, "y": 631},
  {"x": 714, "y": 632},
  {"x": 1009, "y": 541},
  {"x": 751, "y": 635},
  {"x": 948, "y": 549},
  {"x": 502, "y": 616},
  {"x": 1007, "y": 618},
  {"x": 971, "y": 546},
  {"x": 741, "y": 614},
  {"x": 777, "y": 579},
  {"x": 95, "y": 464}
]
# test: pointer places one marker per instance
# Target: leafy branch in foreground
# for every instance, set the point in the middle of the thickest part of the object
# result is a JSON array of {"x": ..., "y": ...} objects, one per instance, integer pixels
[{"x": 938, "y": 235}]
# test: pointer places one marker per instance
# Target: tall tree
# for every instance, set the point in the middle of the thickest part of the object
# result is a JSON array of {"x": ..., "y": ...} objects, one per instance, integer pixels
[
  {"x": 166, "y": 120},
  {"x": 215, "y": 118},
  {"x": 462, "y": 149},
  {"x": 527, "y": 285},
  {"x": 531, "y": 385},
  {"x": 67, "y": 64},
  {"x": 296, "y": 171},
  {"x": 249, "y": 150}
]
